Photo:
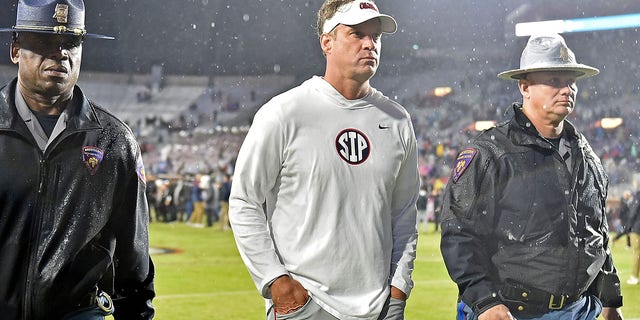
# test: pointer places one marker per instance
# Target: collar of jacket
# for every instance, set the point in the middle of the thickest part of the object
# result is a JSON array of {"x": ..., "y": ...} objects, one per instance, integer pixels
[
  {"x": 523, "y": 132},
  {"x": 82, "y": 116}
]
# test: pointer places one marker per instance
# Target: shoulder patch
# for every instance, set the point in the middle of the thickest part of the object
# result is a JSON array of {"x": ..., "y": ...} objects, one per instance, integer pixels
[
  {"x": 140, "y": 170},
  {"x": 462, "y": 163}
]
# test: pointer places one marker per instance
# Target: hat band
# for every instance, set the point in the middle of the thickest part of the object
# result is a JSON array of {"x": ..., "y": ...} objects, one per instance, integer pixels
[{"x": 56, "y": 29}]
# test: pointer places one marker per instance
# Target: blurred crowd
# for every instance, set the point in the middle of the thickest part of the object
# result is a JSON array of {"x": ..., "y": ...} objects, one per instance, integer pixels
[{"x": 197, "y": 151}]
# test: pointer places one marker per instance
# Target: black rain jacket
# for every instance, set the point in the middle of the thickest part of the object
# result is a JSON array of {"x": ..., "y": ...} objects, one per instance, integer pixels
[
  {"x": 516, "y": 213},
  {"x": 70, "y": 222}
]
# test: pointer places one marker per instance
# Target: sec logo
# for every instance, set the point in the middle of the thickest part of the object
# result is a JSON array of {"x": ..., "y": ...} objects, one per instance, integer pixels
[{"x": 353, "y": 146}]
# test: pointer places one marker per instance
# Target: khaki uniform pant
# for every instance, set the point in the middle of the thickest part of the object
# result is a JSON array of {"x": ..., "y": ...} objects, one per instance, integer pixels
[
  {"x": 224, "y": 215},
  {"x": 635, "y": 251},
  {"x": 198, "y": 212}
]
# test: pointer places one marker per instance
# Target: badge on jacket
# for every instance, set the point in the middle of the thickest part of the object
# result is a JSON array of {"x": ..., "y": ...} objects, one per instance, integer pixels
[
  {"x": 92, "y": 157},
  {"x": 462, "y": 163}
]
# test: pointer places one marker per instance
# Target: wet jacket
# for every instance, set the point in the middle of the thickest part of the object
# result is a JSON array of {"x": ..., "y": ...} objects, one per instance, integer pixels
[
  {"x": 513, "y": 212},
  {"x": 72, "y": 218}
]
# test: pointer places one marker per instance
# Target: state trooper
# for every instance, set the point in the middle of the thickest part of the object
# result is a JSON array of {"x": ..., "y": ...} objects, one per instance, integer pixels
[
  {"x": 524, "y": 231},
  {"x": 73, "y": 212}
]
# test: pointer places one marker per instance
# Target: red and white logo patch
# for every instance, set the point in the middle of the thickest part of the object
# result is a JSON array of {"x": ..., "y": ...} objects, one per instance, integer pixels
[
  {"x": 353, "y": 146},
  {"x": 368, "y": 5}
]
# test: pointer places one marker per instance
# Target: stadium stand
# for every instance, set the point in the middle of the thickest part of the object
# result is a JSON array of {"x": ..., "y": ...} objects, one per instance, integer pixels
[{"x": 195, "y": 124}]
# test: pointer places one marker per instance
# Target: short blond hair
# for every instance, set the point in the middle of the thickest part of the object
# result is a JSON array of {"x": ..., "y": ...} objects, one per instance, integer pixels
[{"x": 328, "y": 9}]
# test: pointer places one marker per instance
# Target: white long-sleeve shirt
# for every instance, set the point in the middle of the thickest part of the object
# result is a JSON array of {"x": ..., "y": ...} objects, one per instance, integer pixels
[{"x": 325, "y": 191}]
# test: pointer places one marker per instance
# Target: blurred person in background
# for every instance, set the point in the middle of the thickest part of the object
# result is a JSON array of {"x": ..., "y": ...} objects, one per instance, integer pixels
[
  {"x": 198, "y": 203},
  {"x": 632, "y": 228},
  {"x": 223, "y": 197},
  {"x": 177, "y": 200},
  {"x": 186, "y": 199},
  {"x": 323, "y": 204},
  {"x": 213, "y": 201},
  {"x": 421, "y": 206},
  {"x": 166, "y": 209},
  {"x": 524, "y": 229},
  {"x": 624, "y": 211},
  {"x": 436, "y": 196},
  {"x": 151, "y": 190},
  {"x": 73, "y": 214},
  {"x": 163, "y": 201}
]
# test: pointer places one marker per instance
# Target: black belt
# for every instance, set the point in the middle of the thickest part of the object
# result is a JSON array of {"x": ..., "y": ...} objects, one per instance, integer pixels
[{"x": 522, "y": 299}]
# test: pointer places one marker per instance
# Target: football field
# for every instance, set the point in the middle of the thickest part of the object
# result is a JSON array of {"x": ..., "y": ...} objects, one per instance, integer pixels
[{"x": 206, "y": 279}]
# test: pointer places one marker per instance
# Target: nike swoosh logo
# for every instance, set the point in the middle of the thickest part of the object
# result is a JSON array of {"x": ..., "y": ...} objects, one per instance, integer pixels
[{"x": 382, "y": 127}]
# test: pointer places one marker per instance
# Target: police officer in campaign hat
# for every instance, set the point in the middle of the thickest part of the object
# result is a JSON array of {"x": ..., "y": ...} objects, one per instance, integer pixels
[
  {"x": 524, "y": 231},
  {"x": 73, "y": 212}
]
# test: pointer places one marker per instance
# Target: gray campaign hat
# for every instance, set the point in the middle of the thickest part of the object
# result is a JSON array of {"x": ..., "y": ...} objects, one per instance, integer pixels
[
  {"x": 548, "y": 53},
  {"x": 52, "y": 16}
]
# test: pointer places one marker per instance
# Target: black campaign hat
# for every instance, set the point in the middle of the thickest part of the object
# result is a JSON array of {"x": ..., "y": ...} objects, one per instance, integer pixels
[{"x": 52, "y": 16}]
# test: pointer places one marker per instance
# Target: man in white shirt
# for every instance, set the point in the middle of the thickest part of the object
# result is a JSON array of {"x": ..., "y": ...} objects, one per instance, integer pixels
[{"x": 323, "y": 205}]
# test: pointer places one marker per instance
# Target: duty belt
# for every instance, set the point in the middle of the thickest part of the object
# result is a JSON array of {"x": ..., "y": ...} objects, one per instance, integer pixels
[
  {"x": 522, "y": 299},
  {"x": 100, "y": 299}
]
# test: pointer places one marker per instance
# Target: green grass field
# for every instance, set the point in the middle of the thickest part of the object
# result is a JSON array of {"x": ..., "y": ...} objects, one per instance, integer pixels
[{"x": 208, "y": 280}]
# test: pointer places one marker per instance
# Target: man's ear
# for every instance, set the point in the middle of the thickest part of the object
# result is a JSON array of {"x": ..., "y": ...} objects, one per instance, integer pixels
[
  {"x": 15, "y": 53},
  {"x": 523, "y": 85},
  {"x": 326, "y": 43}
]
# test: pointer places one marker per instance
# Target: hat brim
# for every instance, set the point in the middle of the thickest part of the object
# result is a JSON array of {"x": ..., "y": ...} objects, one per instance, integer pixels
[
  {"x": 86, "y": 35},
  {"x": 387, "y": 23},
  {"x": 517, "y": 74}
]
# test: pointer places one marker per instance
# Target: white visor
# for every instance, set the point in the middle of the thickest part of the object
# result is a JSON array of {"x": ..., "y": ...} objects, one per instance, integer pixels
[{"x": 357, "y": 12}]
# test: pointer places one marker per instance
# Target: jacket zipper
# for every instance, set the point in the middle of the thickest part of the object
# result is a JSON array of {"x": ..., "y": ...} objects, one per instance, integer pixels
[
  {"x": 37, "y": 221},
  {"x": 575, "y": 170},
  {"x": 35, "y": 237}
]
